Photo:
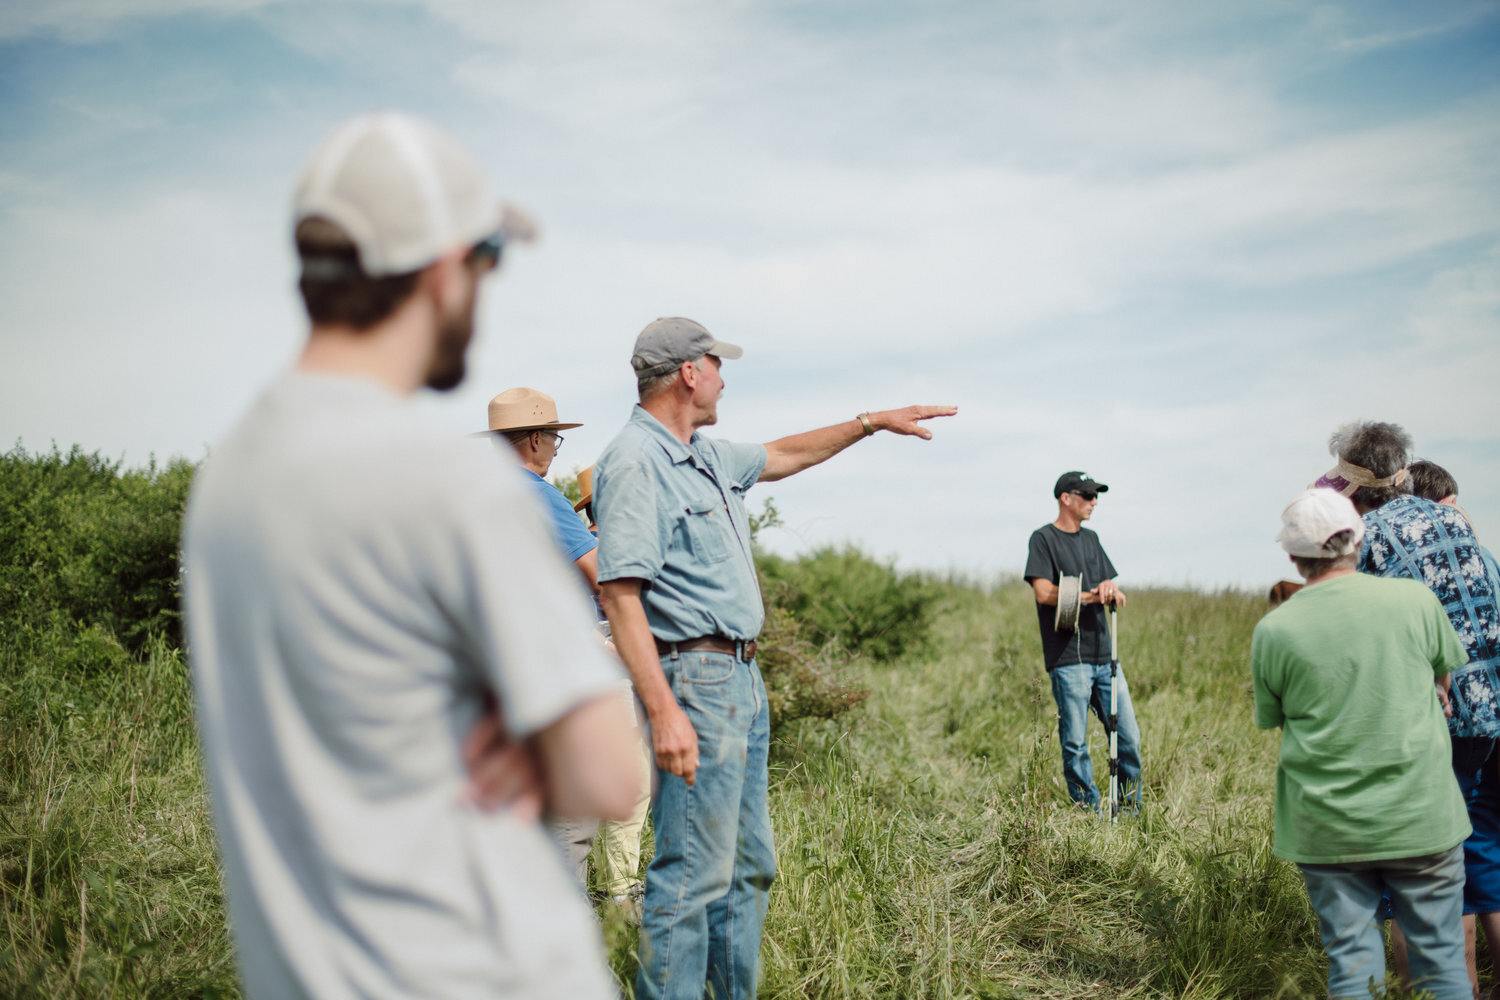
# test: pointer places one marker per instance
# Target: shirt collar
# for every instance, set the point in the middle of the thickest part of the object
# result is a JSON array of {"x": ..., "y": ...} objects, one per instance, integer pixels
[{"x": 675, "y": 449}]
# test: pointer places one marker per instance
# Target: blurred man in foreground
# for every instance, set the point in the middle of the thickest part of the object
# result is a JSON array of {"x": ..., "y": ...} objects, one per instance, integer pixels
[
  {"x": 1355, "y": 672},
  {"x": 680, "y": 589},
  {"x": 359, "y": 589}
]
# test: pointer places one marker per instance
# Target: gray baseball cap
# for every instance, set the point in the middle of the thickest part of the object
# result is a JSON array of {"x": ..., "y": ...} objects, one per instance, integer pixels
[{"x": 668, "y": 342}]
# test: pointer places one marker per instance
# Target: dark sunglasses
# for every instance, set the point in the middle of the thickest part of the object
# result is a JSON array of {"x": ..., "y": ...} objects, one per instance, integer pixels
[
  {"x": 1087, "y": 495},
  {"x": 486, "y": 253}
]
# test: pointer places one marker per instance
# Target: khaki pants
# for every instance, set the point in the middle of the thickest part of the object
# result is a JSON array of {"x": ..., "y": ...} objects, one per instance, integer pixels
[{"x": 620, "y": 840}]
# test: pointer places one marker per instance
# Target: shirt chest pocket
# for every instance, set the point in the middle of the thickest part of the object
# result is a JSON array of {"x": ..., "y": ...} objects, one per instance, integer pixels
[{"x": 704, "y": 524}]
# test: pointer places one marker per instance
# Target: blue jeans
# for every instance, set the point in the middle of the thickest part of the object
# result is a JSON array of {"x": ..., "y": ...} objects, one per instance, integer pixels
[
  {"x": 1077, "y": 687},
  {"x": 1427, "y": 894},
  {"x": 707, "y": 886}
]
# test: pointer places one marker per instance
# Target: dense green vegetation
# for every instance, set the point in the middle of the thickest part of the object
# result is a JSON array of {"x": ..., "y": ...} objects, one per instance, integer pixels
[{"x": 926, "y": 844}]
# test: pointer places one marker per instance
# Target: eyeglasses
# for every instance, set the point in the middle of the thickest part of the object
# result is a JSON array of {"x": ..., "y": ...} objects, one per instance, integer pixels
[
  {"x": 486, "y": 254},
  {"x": 1087, "y": 496},
  {"x": 557, "y": 440}
]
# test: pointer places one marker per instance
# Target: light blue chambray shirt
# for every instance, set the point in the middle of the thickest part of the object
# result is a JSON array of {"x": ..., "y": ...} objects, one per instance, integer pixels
[{"x": 673, "y": 515}]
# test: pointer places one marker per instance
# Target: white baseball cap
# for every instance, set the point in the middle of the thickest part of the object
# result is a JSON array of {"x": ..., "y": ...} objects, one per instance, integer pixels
[
  {"x": 405, "y": 192},
  {"x": 1309, "y": 523}
]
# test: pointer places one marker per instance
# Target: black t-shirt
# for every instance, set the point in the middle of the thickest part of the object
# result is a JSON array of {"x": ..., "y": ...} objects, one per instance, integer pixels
[{"x": 1054, "y": 553}]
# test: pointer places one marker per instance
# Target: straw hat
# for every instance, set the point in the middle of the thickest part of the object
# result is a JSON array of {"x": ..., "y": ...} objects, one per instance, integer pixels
[
  {"x": 585, "y": 488},
  {"x": 523, "y": 409}
]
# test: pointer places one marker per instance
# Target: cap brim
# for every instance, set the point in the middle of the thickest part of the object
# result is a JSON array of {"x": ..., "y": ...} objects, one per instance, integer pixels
[
  {"x": 720, "y": 349},
  {"x": 514, "y": 225},
  {"x": 583, "y": 503}
]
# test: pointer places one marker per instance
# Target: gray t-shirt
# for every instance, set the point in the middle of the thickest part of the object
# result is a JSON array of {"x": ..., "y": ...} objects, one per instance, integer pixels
[{"x": 355, "y": 582}]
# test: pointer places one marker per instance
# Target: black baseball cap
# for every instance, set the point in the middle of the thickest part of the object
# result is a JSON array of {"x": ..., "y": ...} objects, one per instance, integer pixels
[{"x": 1077, "y": 482}]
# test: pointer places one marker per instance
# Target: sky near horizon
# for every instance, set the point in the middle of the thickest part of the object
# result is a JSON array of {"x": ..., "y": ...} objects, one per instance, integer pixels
[{"x": 1172, "y": 245}]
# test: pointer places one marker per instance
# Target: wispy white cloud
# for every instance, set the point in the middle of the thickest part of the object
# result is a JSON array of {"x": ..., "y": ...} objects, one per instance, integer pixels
[
  {"x": 91, "y": 20},
  {"x": 1118, "y": 237}
]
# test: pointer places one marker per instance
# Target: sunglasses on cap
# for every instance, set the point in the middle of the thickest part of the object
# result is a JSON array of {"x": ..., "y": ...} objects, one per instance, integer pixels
[{"x": 486, "y": 253}]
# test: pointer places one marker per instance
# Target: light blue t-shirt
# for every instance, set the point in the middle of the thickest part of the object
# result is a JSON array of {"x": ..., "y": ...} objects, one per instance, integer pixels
[
  {"x": 673, "y": 515},
  {"x": 572, "y": 537}
]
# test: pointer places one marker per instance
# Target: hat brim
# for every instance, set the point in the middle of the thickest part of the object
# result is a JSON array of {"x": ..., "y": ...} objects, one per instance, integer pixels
[
  {"x": 524, "y": 427},
  {"x": 1088, "y": 486},
  {"x": 587, "y": 499}
]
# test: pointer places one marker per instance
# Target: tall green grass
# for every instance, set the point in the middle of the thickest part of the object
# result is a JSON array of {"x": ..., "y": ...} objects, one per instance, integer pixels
[
  {"x": 926, "y": 844},
  {"x": 930, "y": 849},
  {"x": 107, "y": 864}
]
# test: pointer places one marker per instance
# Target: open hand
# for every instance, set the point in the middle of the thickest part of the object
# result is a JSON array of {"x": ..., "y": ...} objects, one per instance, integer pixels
[{"x": 908, "y": 420}]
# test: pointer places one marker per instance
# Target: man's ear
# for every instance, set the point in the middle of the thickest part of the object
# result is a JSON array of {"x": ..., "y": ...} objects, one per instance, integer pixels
[
  {"x": 689, "y": 373},
  {"x": 445, "y": 279}
]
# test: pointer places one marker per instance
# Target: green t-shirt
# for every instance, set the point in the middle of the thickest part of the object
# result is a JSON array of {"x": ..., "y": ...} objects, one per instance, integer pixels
[{"x": 1346, "y": 668}]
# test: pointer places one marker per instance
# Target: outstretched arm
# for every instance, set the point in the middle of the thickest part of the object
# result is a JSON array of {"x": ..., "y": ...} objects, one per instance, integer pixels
[{"x": 790, "y": 455}]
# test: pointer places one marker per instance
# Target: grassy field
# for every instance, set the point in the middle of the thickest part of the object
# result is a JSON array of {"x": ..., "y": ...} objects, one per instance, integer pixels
[{"x": 927, "y": 848}]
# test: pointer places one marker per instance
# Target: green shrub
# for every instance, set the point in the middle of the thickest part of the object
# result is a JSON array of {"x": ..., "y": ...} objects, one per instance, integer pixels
[
  {"x": 90, "y": 544},
  {"x": 842, "y": 596},
  {"x": 803, "y": 680}
]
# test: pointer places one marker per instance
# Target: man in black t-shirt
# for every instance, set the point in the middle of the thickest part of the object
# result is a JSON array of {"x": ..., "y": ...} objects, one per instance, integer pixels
[{"x": 1078, "y": 659}]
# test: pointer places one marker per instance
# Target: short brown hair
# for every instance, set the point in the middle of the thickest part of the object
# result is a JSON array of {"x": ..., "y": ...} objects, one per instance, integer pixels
[
  {"x": 335, "y": 289},
  {"x": 1430, "y": 480},
  {"x": 1311, "y": 568}
]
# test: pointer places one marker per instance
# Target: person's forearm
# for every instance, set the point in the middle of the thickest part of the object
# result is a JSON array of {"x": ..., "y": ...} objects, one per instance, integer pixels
[
  {"x": 635, "y": 644},
  {"x": 588, "y": 759},
  {"x": 1045, "y": 591},
  {"x": 588, "y": 566},
  {"x": 674, "y": 742},
  {"x": 790, "y": 455}
]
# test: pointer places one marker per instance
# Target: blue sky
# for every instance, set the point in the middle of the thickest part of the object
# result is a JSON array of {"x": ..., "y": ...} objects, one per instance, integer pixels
[{"x": 1173, "y": 245}]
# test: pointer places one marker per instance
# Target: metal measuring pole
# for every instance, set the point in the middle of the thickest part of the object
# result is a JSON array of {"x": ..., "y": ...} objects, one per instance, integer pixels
[{"x": 1114, "y": 718}]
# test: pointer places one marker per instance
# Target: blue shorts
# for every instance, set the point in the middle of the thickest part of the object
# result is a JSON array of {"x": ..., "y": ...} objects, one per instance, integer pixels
[{"x": 1474, "y": 764}]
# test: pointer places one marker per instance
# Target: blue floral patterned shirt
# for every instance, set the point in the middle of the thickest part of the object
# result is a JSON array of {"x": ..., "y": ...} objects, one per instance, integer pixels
[{"x": 1416, "y": 538}]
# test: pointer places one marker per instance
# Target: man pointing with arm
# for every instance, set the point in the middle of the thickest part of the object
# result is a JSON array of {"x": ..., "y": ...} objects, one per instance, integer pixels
[{"x": 680, "y": 590}]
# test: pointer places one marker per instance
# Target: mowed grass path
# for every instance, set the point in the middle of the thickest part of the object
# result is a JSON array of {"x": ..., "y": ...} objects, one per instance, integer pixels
[{"x": 927, "y": 848}]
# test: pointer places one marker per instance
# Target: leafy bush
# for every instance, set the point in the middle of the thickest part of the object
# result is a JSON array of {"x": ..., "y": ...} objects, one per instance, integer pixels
[
  {"x": 803, "y": 680},
  {"x": 88, "y": 545},
  {"x": 842, "y": 596}
]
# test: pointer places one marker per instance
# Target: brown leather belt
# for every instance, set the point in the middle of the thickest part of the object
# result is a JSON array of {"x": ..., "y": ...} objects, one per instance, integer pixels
[{"x": 744, "y": 651}]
